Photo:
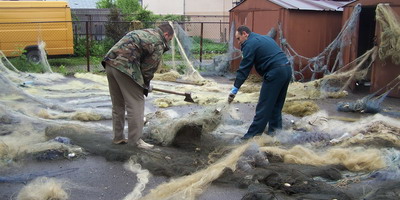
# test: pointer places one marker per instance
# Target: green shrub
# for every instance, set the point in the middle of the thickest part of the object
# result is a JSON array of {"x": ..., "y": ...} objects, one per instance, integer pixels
[
  {"x": 171, "y": 17},
  {"x": 209, "y": 46},
  {"x": 61, "y": 69},
  {"x": 96, "y": 48},
  {"x": 68, "y": 61},
  {"x": 168, "y": 56},
  {"x": 116, "y": 28},
  {"x": 22, "y": 64},
  {"x": 80, "y": 46},
  {"x": 181, "y": 69},
  {"x": 100, "y": 48}
]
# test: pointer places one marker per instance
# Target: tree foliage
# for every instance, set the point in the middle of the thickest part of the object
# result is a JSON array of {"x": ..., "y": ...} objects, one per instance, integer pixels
[
  {"x": 115, "y": 27},
  {"x": 129, "y": 8},
  {"x": 146, "y": 17},
  {"x": 132, "y": 10},
  {"x": 105, "y": 4}
]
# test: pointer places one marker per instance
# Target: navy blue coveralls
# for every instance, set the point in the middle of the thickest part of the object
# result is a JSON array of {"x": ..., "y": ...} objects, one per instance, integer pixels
[{"x": 272, "y": 64}]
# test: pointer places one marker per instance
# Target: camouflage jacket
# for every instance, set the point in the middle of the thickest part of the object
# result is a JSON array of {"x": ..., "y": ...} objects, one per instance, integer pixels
[{"x": 138, "y": 55}]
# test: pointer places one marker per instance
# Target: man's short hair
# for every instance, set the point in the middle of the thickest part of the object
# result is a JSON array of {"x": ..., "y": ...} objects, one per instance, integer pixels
[
  {"x": 166, "y": 28},
  {"x": 242, "y": 28}
]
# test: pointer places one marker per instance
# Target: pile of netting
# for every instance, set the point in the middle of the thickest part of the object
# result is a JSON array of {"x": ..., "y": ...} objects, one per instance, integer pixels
[
  {"x": 185, "y": 130},
  {"x": 31, "y": 103},
  {"x": 316, "y": 154},
  {"x": 370, "y": 103},
  {"x": 389, "y": 46},
  {"x": 318, "y": 158},
  {"x": 333, "y": 85}
]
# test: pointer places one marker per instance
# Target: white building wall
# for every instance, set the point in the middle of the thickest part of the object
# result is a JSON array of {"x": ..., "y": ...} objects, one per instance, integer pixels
[
  {"x": 215, "y": 14},
  {"x": 164, "y": 7},
  {"x": 208, "y": 7},
  {"x": 189, "y": 7}
]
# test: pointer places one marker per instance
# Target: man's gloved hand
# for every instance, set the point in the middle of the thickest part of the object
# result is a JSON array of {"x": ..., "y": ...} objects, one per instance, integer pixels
[
  {"x": 232, "y": 94},
  {"x": 150, "y": 89}
]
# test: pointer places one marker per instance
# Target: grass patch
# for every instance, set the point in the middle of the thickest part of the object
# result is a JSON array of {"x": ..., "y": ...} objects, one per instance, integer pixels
[
  {"x": 73, "y": 61},
  {"x": 205, "y": 56},
  {"x": 22, "y": 64}
]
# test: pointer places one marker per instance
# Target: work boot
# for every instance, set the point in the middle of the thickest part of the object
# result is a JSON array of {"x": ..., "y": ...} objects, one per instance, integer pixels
[
  {"x": 144, "y": 145},
  {"x": 245, "y": 138}
]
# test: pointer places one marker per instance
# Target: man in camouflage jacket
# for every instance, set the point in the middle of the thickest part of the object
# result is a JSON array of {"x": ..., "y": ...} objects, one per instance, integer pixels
[{"x": 130, "y": 65}]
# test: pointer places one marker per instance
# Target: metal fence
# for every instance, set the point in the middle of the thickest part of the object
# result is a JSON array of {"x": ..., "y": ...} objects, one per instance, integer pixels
[
  {"x": 215, "y": 31},
  {"x": 86, "y": 34},
  {"x": 97, "y": 30}
]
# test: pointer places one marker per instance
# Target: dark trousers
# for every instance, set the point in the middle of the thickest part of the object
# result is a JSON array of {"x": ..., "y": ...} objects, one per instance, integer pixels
[{"x": 270, "y": 103}]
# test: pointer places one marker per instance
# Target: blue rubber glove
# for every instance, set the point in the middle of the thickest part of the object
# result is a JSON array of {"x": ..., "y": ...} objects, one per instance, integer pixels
[{"x": 234, "y": 90}]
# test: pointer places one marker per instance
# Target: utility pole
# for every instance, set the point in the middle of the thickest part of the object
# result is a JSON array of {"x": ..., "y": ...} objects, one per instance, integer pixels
[{"x": 184, "y": 7}]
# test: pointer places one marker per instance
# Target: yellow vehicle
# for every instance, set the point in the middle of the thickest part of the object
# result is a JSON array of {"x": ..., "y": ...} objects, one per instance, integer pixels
[{"x": 25, "y": 26}]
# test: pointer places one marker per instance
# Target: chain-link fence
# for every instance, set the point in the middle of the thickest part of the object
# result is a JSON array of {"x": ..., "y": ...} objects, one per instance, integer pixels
[{"x": 80, "y": 45}]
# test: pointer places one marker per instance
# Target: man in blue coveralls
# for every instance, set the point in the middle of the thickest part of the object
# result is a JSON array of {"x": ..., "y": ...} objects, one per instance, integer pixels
[{"x": 272, "y": 64}]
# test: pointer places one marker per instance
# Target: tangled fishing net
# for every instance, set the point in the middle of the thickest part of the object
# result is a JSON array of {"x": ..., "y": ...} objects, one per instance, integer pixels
[
  {"x": 190, "y": 187},
  {"x": 30, "y": 102},
  {"x": 166, "y": 131},
  {"x": 44, "y": 188},
  {"x": 339, "y": 77},
  {"x": 192, "y": 67},
  {"x": 300, "y": 108},
  {"x": 390, "y": 33},
  {"x": 321, "y": 62},
  {"x": 368, "y": 104},
  {"x": 388, "y": 47}
]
